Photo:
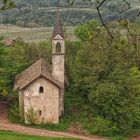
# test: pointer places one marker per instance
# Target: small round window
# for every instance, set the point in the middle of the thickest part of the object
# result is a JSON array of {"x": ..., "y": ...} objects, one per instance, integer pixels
[{"x": 41, "y": 90}]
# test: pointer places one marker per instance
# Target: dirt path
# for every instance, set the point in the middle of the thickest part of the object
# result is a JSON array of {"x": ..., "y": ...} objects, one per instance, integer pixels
[
  {"x": 6, "y": 125},
  {"x": 135, "y": 138}
]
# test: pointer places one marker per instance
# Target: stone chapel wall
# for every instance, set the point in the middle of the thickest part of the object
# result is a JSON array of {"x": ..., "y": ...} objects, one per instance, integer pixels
[{"x": 46, "y": 103}]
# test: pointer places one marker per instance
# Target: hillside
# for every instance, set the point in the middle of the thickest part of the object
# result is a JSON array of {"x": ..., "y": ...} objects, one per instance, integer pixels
[{"x": 34, "y": 13}]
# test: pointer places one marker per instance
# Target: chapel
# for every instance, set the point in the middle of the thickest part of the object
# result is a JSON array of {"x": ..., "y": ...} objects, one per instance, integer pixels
[{"x": 41, "y": 86}]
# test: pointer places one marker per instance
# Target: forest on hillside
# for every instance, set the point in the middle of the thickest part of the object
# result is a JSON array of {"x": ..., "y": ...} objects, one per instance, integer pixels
[{"x": 32, "y": 13}]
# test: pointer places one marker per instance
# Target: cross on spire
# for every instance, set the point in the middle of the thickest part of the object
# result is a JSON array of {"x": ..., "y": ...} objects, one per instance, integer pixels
[{"x": 58, "y": 25}]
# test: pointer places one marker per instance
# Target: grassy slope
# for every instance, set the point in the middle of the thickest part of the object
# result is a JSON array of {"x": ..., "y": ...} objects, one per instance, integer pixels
[
  {"x": 8, "y": 135},
  {"x": 32, "y": 34}
]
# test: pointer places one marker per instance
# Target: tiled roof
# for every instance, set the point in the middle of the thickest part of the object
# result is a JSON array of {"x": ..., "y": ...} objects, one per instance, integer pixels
[
  {"x": 8, "y": 41},
  {"x": 39, "y": 69}
]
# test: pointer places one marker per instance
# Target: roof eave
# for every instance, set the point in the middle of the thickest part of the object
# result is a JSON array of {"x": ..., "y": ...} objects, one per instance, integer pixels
[{"x": 39, "y": 76}]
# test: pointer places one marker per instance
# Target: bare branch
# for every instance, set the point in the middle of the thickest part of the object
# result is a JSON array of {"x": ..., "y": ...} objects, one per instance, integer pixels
[
  {"x": 129, "y": 6},
  {"x": 100, "y": 3},
  {"x": 102, "y": 21}
]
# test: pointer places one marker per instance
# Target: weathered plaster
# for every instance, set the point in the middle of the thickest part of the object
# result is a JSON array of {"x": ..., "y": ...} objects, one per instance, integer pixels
[{"x": 46, "y": 102}]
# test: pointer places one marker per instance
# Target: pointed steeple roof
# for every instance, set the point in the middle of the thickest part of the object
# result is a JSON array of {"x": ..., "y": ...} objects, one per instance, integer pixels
[{"x": 58, "y": 25}]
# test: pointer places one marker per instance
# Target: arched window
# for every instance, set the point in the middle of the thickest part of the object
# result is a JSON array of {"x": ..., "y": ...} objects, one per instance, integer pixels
[
  {"x": 58, "y": 47},
  {"x": 40, "y": 112},
  {"x": 41, "y": 90}
]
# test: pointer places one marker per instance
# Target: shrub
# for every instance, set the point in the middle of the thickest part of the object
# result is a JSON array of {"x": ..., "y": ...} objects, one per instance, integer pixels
[
  {"x": 136, "y": 116},
  {"x": 109, "y": 103},
  {"x": 32, "y": 115},
  {"x": 13, "y": 113},
  {"x": 101, "y": 126}
]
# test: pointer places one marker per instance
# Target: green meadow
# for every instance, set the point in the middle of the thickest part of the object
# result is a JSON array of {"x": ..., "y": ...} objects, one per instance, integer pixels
[{"x": 33, "y": 34}]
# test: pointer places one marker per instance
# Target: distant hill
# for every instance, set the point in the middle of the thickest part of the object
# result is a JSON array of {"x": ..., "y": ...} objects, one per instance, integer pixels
[{"x": 34, "y": 13}]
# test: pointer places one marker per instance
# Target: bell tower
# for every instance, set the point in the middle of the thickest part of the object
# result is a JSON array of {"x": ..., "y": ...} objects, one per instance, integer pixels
[{"x": 58, "y": 56}]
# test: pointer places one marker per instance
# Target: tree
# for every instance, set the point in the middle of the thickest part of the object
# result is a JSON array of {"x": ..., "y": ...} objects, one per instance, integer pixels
[
  {"x": 6, "y": 4},
  {"x": 87, "y": 31},
  {"x": 90, "y": 64},
  {"x": 27, "y": 16}
]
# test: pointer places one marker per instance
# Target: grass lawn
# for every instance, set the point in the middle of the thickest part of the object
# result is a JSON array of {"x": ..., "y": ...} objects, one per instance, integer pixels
[
  {"x": 118, "y": 138},
  {"x": 8, "y": 135}
]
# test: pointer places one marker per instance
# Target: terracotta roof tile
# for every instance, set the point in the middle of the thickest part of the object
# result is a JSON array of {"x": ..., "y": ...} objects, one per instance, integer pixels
[
  {"x": 39, "y": 69},
  {"x": 8, "y": 41}
]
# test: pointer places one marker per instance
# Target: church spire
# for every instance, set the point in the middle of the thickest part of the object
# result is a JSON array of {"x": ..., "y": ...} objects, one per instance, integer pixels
[{"x": 58, "y": 25}]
